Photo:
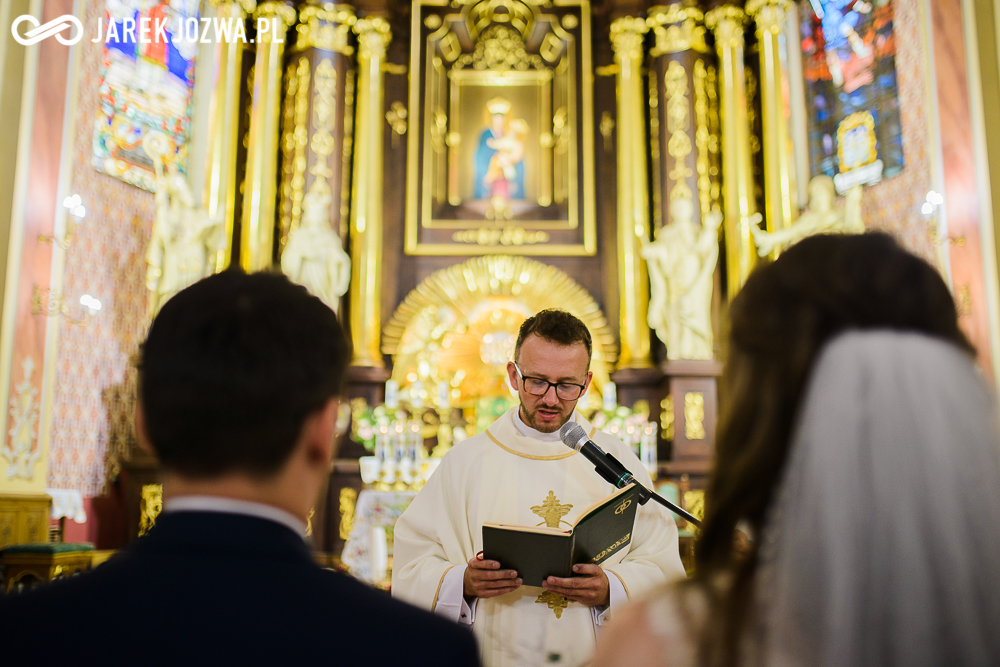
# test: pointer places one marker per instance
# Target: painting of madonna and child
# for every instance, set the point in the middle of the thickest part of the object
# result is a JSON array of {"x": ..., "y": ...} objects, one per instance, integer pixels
[{"x": 503, "y": 161}]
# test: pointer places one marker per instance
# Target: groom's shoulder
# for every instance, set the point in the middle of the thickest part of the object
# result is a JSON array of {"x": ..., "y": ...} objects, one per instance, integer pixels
[{"x": 365, "y": 604}]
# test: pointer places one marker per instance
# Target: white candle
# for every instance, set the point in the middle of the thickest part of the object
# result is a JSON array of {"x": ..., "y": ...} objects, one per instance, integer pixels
[
  {"x": 391, "y": 394},
  {"x": 416, "y": 394},
  {"x": 379, "y": 554},
  {"x": 610, "y": 397},
  {"x": 444, "y": 394}
]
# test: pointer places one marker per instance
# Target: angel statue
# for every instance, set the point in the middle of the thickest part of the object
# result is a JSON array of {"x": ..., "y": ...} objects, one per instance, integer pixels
[
  {"x": 681, "y": 263},
  {"x": 185, "y": 239},
  {"x": 314, "y": 256},
  {"x": 822, "y": 217}
]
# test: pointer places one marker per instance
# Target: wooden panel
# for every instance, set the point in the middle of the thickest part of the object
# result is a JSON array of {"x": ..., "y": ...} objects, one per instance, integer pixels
[
  {"x": 695, "y": 413},
  {"x": 24, "y": 519}
]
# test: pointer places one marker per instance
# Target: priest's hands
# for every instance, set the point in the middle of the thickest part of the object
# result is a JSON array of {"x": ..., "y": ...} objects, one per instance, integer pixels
[
  {"x": 485, "y": 579},
  {"x": 588, "y": 585}
]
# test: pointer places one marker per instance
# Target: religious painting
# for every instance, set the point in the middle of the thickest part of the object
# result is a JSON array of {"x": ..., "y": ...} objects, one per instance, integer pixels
[
  {"x": 147, "y": 83},
  {"x": 499, "y": 159},
  {"x": 852, "y": 96}
]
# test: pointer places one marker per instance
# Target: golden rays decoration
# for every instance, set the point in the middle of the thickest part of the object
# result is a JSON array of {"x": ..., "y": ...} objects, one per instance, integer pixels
[{"x": 461, "y": 323}]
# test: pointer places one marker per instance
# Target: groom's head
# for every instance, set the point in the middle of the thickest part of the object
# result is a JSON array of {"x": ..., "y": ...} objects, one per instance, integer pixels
[{"x": 235, "y": 371}]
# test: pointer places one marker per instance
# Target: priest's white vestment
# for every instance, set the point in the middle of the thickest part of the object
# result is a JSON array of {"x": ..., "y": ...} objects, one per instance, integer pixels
[{"x": 501, "y": 475}]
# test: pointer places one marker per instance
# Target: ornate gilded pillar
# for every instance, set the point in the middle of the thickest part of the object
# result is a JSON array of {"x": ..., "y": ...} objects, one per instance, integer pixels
[
  {"x": 684, "y": 112},
  {"x": 317, "y": 119},
  {"x": 633, "y": 194},
  {"x": 222, "y": 179},
  {"x": 261, "y": 185},
  {"x": 737, "y": 172},
  {"x": 366, "y": 196},
  {"x": 779, "y": 183}
]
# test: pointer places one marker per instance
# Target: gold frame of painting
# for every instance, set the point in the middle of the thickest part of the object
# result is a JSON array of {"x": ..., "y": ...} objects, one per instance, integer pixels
[
  {"x": 857, "y": 120},
  {"x": 524, "y": 102}
]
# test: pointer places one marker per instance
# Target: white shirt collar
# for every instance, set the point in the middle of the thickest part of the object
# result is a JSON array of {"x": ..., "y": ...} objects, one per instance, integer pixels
[
  {"x": 529, "y": 432},
  {"x": 234, "y": 506}
]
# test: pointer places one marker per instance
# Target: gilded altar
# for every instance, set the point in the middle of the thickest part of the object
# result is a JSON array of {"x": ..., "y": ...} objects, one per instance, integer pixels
[{"x": 438, "y": 171}]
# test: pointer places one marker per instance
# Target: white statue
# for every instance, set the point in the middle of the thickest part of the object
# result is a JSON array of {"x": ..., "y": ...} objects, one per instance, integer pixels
[
  {"x": 185, "y": 238},
  {"x": 822, "y": 217},
  {"x": 681, "y": 263},
  {"x": 314, "y": 255}
]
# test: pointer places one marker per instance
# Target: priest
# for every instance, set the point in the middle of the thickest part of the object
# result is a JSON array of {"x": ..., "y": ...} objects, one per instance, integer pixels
[{"x": 519, "y": 472}]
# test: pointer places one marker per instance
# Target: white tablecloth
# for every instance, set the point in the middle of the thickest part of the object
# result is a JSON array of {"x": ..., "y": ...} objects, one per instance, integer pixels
[
  {"x": 67, "y": 503},
  {"x": 374, "y": 509}
]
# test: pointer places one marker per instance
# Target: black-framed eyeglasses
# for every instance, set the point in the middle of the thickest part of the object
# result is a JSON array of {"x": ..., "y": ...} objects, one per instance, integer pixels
[{"x": 567, "y": 391}]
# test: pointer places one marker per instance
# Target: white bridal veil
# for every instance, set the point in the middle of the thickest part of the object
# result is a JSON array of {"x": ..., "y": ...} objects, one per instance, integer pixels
[{"x": 883, "y": 544}]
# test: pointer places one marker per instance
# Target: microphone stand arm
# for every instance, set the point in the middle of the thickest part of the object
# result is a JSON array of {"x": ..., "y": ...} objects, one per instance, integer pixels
[{"x": 644, "y": 494}]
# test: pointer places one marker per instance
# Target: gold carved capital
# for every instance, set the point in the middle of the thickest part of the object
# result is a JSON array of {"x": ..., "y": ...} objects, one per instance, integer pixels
[
  {"x": 275, "y": 11},
  {"x": 247, "y": 6},
  {"x": 626, "y": 36},
  {"x": 374, "y": 36},
  {"x": 679, "y": 27},
  {"x": 727, "y": 24},
  {"x": 769, "y": 14},
  {"x": 326, "y": 28}
]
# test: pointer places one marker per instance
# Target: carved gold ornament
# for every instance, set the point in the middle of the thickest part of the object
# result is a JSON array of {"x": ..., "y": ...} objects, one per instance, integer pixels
[
  {"x": 675, "y": 83},
  {"x": 21, "y": 448},
  {"x": 327, "y": 28},
  {"x": 694, "y": 415},
  {"x": 293, "y": 146},
  {"x": 667, "y": 417},
  {"x": 506, "y": 236},
  {"x": 727, "y": 24},
  {"x": 552, "y": 511},
  {"x": 150, "y": 506},
  {"x": 555, "y": 602},
  {"x": 348, "y": 503},
  {"x": 679, "y": 27},
  {"x": 460, "y": 324}
]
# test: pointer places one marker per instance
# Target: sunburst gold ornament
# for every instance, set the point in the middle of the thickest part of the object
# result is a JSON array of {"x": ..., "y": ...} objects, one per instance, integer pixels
[{"x": 460, "y": 325}]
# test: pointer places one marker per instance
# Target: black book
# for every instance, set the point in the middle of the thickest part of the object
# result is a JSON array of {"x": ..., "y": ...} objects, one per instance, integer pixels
[{"x": 537, "y": 552}]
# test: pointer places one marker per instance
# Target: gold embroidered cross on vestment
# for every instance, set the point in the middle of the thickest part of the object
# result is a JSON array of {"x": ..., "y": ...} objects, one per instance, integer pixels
[
  {"x": 552, "y": 510},
  {"x": 555, "y": 601}
]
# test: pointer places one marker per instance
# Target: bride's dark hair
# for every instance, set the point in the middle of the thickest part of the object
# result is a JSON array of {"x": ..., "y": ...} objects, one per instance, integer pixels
[{"x": 779, "y": 322}]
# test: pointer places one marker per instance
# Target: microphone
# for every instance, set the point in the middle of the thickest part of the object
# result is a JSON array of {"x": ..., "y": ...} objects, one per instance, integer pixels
[
  {"x": 611, "y": 469},
  {"x": 608, "y": 467}
]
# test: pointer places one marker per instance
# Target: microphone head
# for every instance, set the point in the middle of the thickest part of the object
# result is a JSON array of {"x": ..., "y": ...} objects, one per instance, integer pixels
[{"x": 573, "y": 435}]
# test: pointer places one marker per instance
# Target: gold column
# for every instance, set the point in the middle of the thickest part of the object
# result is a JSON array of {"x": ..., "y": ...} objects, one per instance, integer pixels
[
  {"x": 684, "y": 137},
  {"x": 633, "y": 194},
  {"x": 261, "y": 186},
  {"x": 779, "y": 184},
  {"x": 737, "y": 172},
  {"x": 366, "y": 195},
  {"x": 221, "y": 178},
  {"x": 316, "y": 129}
]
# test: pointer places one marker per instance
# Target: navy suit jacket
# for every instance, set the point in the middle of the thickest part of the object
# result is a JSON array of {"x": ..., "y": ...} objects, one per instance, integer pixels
[{"x": 222, "y": 589}]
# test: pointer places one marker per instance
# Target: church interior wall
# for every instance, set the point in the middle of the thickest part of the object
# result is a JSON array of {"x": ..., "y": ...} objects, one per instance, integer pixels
[
  {"x": 89, "y": 423},
  {"x": 92, "y": 407}
]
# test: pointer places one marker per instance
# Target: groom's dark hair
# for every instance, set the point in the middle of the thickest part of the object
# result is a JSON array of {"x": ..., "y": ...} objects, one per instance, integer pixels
[{"x": 232, "y": 367}]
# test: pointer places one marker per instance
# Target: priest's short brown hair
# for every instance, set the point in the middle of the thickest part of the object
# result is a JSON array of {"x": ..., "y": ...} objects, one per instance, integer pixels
[{"x": 557, "y": 326}]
